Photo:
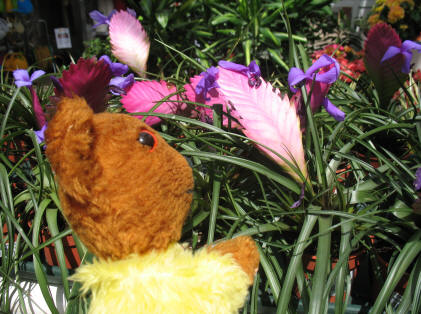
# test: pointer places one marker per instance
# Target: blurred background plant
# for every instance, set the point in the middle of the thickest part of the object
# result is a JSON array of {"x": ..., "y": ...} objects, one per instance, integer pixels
[
  {"x": 240, "y": 31},
  {"x": 359, "y": 188},
  {"x": 403, "y": 15}
]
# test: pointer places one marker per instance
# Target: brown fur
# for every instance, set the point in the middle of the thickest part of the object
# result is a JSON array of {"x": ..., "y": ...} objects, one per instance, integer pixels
[
  {"x": 120, "y": 197},
  {"x": 244, "y": 251}
]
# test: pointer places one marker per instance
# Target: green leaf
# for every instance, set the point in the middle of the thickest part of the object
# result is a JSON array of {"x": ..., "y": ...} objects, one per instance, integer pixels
[
  {"x": 401, "y": 210},
  {"x": 162, "y": 18}
]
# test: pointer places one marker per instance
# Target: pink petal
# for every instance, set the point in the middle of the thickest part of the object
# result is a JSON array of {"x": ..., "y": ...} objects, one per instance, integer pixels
[
  {"x": 39, "y": 112},
  {"x": 318, "y": 94},
  {"x": 386, "y": 75},
  {"x": 129, "y": 41},
  {"x": 88, "y": 79},
  {"x": 267, "y": 118},
  {"x": 143, "y": 96}
]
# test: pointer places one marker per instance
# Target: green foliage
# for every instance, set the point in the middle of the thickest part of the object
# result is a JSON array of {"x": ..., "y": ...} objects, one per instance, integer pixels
[
  {"x": 210, "y": 30},
  {"x": 97, "y": 47},
  {"x": 360, "y": 182}
]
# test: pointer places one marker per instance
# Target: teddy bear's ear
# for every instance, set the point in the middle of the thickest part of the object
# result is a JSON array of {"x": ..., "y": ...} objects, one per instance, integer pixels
[{"x": 69, "y": 139}]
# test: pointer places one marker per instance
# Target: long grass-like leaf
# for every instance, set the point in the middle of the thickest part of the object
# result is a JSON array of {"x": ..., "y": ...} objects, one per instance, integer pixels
[
  {"x": 51, "y": 216},
  {"x": 295, "y": 263},
  {"x": 317, "y": 302},
  {"x": 39, "y": 271},
  {"x": 409, "y": 252}
]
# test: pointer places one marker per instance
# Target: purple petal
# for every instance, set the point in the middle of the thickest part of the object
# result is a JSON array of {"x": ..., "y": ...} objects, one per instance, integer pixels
[
  {"x": 131, "y": 12},
  {"x": 57, "y": 84},
  {"x": 117, "y": 69},
  {"x": 390, "y": 53},
  {"x": 122, "y": 83},
  {"x": 98, "y": 17},
  {"x": 296, "y": 76},
  {"x": 417, "y": 182},
  {"x": 21, "y": 75},
  {"x": 323, "y": 61},
  {"x": 411, "y": 45},
  {"x": 406, "y": 66},
  {"x": 213, "y": 71},
  {"x": 329, "y": 76},
  {"x": 207, "y": 82},
  {"x": 106, "y": 59},
  {"x": 40, "y": 136},
  {"x": 22, "y": 83},
  {"x": 334, "y": 111},
  {"x": 36, "y": 75},
  {"x": 300, "y": 198},
  {"x": 233, "y": 66},
  {"x": 254, "y": 69}
]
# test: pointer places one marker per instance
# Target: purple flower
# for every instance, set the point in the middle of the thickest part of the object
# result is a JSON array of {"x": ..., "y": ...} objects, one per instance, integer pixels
[
  {"x": 320, "y": 87},
  {"x": 405, "y": 50},
  {"x": 131, "y": 12},
  {"x": 57, "y": 84},
  {"x": 22, "y": 77},
  {"x": 300, "y": 198},
  {"x": 207, "y": 82},
  {"x": 252, "y": 71},
  {"x": 101, "y": 18},
  {"x": 119, "y": 85},
  {"x": 117, "y": 69},
  {"x": 40, "y": 134},
  {"x": 417, "y": 182},
  {"x": 297, "y": 76}
]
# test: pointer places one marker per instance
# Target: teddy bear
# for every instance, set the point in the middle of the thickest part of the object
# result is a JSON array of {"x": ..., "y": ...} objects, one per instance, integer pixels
[{"x": 126, "y": 193}]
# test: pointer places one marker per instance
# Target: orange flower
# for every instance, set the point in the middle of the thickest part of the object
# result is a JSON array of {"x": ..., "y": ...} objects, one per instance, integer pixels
[
  {"x": 374, "y": 19},
  {"x": 396, "y": 13}
]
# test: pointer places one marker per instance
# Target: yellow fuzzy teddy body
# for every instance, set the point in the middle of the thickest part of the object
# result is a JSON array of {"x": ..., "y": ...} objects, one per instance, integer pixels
[{"x": 171, "y": 281}]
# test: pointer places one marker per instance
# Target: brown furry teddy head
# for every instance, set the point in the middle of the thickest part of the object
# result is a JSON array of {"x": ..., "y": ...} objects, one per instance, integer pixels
[{"x": 123, "y": 189}]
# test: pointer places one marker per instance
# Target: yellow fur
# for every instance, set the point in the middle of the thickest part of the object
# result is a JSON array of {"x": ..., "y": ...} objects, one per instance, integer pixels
[{"x": 171, "y": 281}]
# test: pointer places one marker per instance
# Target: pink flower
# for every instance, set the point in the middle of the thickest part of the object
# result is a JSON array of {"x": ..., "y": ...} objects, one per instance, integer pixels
[
  {"x": 87, "y": 78},
  {"x": 267, "y": 118},
  {"x": 145, "y": 95},
  {"x": 386, "y": 76},
  {"x": 129, "y": 41}
]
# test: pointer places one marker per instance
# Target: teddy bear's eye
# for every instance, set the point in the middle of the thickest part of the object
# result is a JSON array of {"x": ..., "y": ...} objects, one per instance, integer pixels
[{"x": 147, "y": 138}]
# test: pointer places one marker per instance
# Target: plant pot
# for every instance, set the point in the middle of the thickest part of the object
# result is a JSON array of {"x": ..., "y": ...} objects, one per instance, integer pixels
[
  {"x": 343, "y": 173},
  {"x": 71, "y": 253},
  {"x": 354, "y": 261}
]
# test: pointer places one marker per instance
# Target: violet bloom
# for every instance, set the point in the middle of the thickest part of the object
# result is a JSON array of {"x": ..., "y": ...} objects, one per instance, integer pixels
[
  {"x": 101, "y": 18},
  {"x": 417, "y": 182},
  {"x": 319, "y": 82},
  {"x": 131, "y": 12},
  {"x": 252, "y": 71},
  {"x": 119, "y": 85},
  {"x": 22, "y": 78},
  {"x": 405, "y": 50},
  {"x": 207, "y": 82},
  {"x": 40, "y": 134},
  {"x": 300, "y": 198},
  {"x": 117, "y": 69}
]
